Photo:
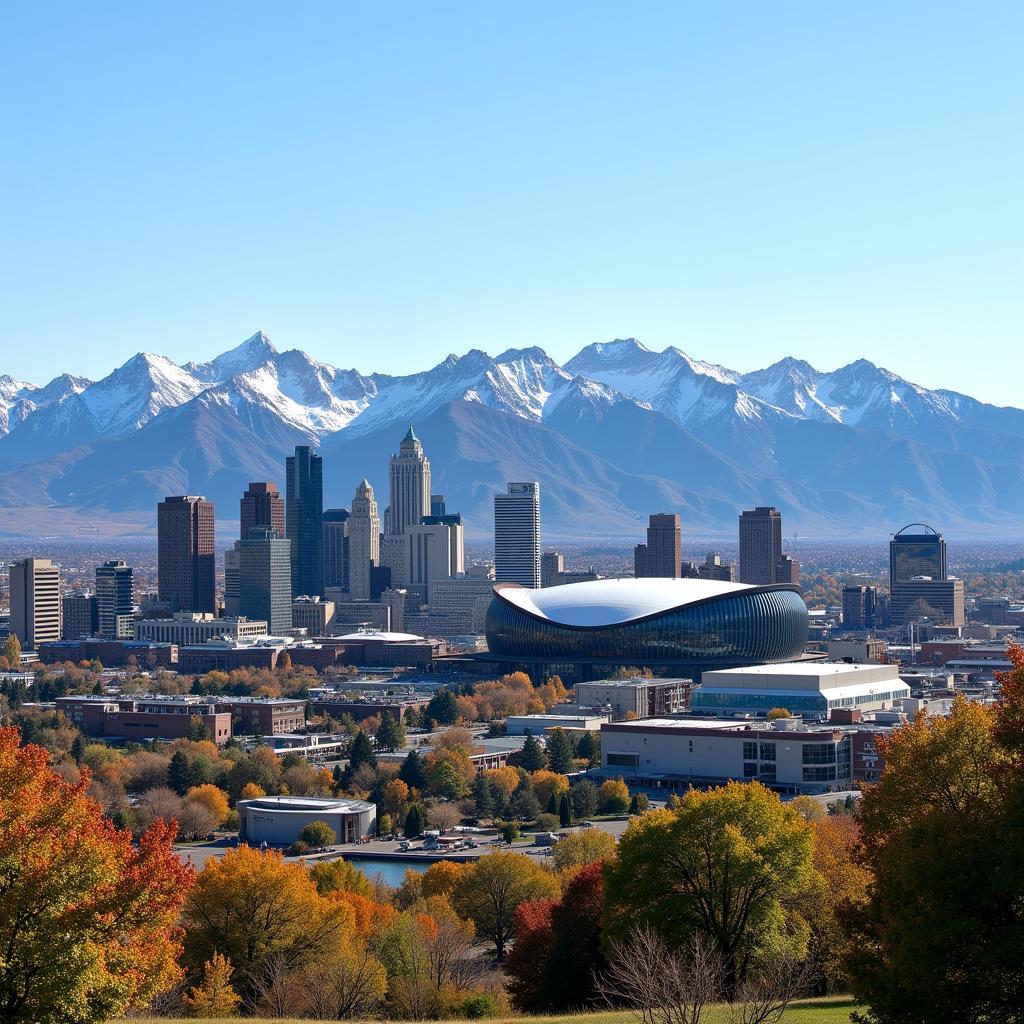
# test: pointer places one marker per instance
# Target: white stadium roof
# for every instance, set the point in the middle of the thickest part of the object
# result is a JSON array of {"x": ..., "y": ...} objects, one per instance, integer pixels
[{"x": 610, "y": 602}]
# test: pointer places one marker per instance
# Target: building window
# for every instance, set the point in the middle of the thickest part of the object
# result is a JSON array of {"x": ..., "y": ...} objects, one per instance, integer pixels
[
  {"x": 750, "y": 769},
  {"x": 623, "y": 760},
  {"x": 819, "y": 753},
  {"x": 824, "y": 773},
  {"x": 767, "y": 751},
  {"x": 749, "y": 751}
]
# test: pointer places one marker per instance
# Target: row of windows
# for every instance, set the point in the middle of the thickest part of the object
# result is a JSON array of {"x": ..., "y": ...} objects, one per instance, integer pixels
[
  {"x": 759, "y": 627},
  {"x": 750, "y": 750},
  {"x": 757, "y": 702}
]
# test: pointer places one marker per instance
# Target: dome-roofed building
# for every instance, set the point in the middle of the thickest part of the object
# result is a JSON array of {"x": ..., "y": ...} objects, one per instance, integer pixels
[{"x": 684, "y": 626}]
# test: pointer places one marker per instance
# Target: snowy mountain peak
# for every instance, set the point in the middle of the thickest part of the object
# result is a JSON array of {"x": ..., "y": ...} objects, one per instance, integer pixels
[{"x": 252, "y": 352}]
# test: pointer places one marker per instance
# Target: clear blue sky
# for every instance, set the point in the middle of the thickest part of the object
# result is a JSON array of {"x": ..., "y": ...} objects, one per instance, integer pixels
[{"x": 381, "y": 184}]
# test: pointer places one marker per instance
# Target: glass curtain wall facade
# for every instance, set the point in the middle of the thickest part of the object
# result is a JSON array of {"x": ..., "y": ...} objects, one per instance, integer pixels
[{"x": 752, "y": 627}]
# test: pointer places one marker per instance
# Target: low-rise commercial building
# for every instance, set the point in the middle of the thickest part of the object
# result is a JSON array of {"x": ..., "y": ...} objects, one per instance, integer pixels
[
  {"x": 145, "y": 654},
  {"x": 636, "y": 698},
  {"x": 312, "y": 614},
  {"x": 279, "y": 820},
  {"x": 677, "y": 753},
  {"x": 811, "y": 689},
  {"x": 197, "y": 628},
  {"x": 393, "y": 707},
  {"x": 263, "y": 716},
  {"x": 537, "y": 725},
  {"x": 144, "y": 718}
]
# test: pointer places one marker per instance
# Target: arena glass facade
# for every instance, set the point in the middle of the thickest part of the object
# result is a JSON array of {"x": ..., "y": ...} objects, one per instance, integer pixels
[{"x": 744, "y": 625}]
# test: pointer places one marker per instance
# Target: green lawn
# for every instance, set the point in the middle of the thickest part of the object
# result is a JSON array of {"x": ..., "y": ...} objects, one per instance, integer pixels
[{"x": 831, "y": 1010}]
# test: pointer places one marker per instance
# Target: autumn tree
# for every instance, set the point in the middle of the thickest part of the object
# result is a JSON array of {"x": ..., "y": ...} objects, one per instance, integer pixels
[
  {"x": 213, "y": 996},
  {"x": 942, "y": 834},
  {"x": 12, "y": 650},
  {"x": 583, "y": 847},
  {"x": 613, "y": 797},
  {"x": 259, "y": 912},
  {"x": 318, "y": 834},
  {"x": 732, "y": 863},
  {"x": 489, "y": 891},
  {"x": 339, "y": 876},
  {"x": 86, "y": 919},
  {"x": 557, "y": 954}
]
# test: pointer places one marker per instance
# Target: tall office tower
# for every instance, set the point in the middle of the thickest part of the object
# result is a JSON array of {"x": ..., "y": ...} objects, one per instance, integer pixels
[
  {"x": 788, "y": 570},
  {"x": 265, "y": 579},
  {"x": 456, "y": 537},
  {"x": 363, "y": 542},
  {"x": 232, "y": 566},
  {"x": 859, "y": 603},
  {"x": 552, "y": 565},
  {"x": 336, "y": 548},
  {"x": 437, "y": 505},
  {"x": 261, "y": 505},
  {"x": 760, "y": 545},
  {"x": 662, "y": 555},
  {"x": 79, "y": 616},
  {"x": 517, "y": 535},
  {"x": 304, "y": 516},
  {"x": 939, "y": 601},
  {"x": 186, "y": 571},
  {"x": 916, "y": 554},
  {"x": 435, "y": 553},
  {"x": 410, "y": 484},
  {"x": 35, "y": 602},
  {"x": 394, "y": 556},
  {"x": 115, "y": 605}
]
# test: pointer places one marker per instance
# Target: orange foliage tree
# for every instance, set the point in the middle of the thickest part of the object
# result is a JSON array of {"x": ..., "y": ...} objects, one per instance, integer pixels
[{"x": 87, "y": 921}]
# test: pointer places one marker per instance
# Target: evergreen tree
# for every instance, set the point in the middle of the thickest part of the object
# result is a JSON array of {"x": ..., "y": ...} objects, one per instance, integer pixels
[
  {"x": 78, "y": 748},
  {"x": 552, "y": 805},
  {"x": 559, "y": 750},
  {"x": 391, "y": 734},
  {"x": 179, "y": 773},
  {"x": 584, "y": 797},
  {"x": 413, "y": 822},
  {"x": 589, "y": 746},
  {"x": 525, "y": 805},
  {"x": 360, "y": 752},
  {"x": 564, "y": 811},
  {"x": 413, "y": 772},
  {"x": 482, "y": 796},
  {"x": 532, "y": 756},
  {"x": 443, "y": 708}
]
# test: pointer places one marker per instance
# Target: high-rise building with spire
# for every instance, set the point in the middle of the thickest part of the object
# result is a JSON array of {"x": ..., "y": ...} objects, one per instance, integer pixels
[
  {"x": 363, "y": 541},
  {"x": 410, "y": 484},
  {"x": 304, "y": 515}
]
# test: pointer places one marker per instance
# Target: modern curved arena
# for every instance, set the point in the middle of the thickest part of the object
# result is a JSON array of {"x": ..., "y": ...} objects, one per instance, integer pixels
[{"x": 682, "y": 625}]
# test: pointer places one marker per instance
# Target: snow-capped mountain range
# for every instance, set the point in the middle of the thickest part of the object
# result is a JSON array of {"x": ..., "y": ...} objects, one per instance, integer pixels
[{"x": 616, "y": 432}]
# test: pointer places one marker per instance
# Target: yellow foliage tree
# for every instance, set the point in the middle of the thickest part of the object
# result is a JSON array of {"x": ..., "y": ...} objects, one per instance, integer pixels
[
  {"x": 214, "y": 996},
  {"x": 210, "y": 796},
  {"x": 251, "y": 791},
  {"x": 546, "y": 783},
  {"x": 583, "y": 846},
  {"x": 440, "y": 879},
  {"x": 259, "y": 911},
  {"x": 506, "y": 779}
]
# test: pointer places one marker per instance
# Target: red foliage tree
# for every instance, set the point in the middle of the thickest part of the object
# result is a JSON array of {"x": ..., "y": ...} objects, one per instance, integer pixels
[
  {"x": 87, "y": 920},
  {"x": 558, "y": 947}
]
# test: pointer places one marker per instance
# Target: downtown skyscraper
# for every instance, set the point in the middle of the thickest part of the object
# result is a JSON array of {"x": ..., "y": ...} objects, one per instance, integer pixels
[
  {"x": 409, "y": 476},
  {"x": 517, "y": 535},
  {"x": 261, "y": 505},
  {"x": 304, "y": 514},
  {"x": 760, "y": 545},
  {"x": 363, "y": 542},
  {"x": 662, "y": 555},
  {"x": 185, "y": 555}
]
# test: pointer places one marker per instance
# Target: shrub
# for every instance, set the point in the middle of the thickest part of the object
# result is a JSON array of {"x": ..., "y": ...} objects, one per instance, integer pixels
[
  {"x": 547, "y": 822},
  {"x": 297, "y": 849},
  {"x": 510, "y": 832},
  {"x": 317, "y": 834},
  {"x": 478, "y": 1005}
]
